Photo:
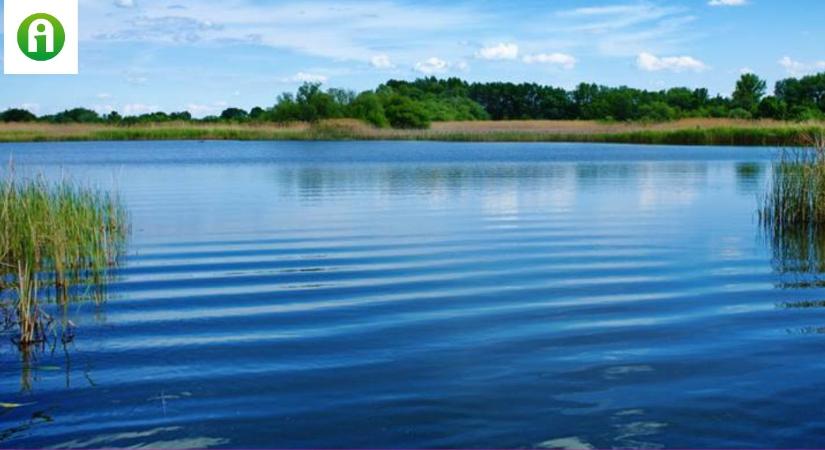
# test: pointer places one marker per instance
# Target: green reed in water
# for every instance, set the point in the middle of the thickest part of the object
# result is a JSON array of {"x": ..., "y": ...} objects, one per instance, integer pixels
[
  {"x": 53, "y": 237},
  {"x": 793, "y": 211}
]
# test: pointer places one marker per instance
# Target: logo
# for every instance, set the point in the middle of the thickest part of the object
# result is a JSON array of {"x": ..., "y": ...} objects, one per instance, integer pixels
[{"x": 41, "y": 37}]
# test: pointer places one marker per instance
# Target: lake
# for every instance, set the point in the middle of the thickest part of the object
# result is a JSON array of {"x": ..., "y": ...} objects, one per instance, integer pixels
[{"x": 392, "y": 294}]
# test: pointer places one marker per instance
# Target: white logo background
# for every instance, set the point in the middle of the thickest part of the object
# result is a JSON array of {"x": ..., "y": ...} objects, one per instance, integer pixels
[{"x": 15, "y": 12}]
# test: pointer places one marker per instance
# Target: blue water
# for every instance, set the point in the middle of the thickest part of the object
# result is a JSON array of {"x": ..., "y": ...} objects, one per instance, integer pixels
[{"x": 427, "y": 295}]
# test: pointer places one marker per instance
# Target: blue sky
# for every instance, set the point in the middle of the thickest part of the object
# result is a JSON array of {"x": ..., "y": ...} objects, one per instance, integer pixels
[{"x": 203, "y": 55}]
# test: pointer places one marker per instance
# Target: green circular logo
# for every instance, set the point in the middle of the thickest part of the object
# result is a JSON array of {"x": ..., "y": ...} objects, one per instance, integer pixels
[{"x": 41, "y": 37}]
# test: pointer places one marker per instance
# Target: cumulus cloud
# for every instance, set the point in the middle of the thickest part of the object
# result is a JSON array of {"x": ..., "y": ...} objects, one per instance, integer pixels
[
  {"x": 728, "y": 2},
  {"x": 304, "y": 77},
  {"x": 797, "y": 68},
  {"x": 381, "y": 62},
  {"x": 652, "y": 63},
  {"x": 562, "y": 60},
  {"x": 499, "y": 51},
  {"x": 432, "y": 66}
]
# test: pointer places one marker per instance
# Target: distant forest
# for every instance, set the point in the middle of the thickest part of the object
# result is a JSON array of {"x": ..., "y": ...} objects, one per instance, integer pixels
[{"x": 416, "y": 104}]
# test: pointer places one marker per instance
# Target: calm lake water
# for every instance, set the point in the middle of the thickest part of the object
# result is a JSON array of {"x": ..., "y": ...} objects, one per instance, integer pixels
[{"x": 428, "y": 295}]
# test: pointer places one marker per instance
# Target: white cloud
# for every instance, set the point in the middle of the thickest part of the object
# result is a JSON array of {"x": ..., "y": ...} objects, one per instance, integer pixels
[
  {"x": 622, "y": 30},
  {"x": 304, "y": 77},
  {"x": 201, "y": 110},
  {"x": 381, "y": 62},
  {"x": 432, "y": 66},
  {"x": 343, "y": 31},
  {"x": 797, "y": 68},
  {"x": 728, "y": 2},
  {"x": 652, "y": 63},
  {"x": 104, "y": 108},
  {"x": 500, "y": 51},
  {"x": 560, "y": 59},
  {"x": 125, "y": 3},
  {"x": 134, "y": 109},
  {"x": 31, "y": 107},
  {"x": 462, "y": 66}
]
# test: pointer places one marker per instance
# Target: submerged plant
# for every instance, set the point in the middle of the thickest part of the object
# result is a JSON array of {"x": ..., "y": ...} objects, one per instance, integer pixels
[
  {"x": 56, "y": 239},
  {"x": 793, "y": 211}
]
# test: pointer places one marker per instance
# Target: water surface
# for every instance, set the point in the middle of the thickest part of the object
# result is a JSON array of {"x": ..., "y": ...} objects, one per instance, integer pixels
[{"x": 428, "y": 295}]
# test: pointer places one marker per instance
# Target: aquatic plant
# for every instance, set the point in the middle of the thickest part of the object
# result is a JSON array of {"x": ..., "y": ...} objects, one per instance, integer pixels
[
  {"x": 793, "y": 211},
  {"x": 54, "y": 238}
]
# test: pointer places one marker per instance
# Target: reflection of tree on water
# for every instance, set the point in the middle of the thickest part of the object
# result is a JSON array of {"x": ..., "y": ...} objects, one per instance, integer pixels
[{"x": 749, "y": 176}]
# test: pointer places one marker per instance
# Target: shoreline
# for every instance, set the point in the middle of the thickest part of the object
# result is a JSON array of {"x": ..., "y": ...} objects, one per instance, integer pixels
[{"x": 695, "y": 132}]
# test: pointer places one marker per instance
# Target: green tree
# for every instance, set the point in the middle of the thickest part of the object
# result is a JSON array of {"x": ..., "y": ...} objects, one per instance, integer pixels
[
  {"x": 257, "y": 113},
  {"x": 113, "y": 117},
  {"x": 286, "y": 109},
  {"x": 367, "y": 106},
  {"x": 76, "y": 115},
  {"x": 740, "y": 113},
  {"x": 17, "y": 115},
  {"x": 749, "y": 91},
  {"x": 658, "y": 112},
  {"x": 314, "y": 104},
  {"x": 772, "y": 108},
  {"x": 403, "y": 112},
  {"x": 234, "y": 114}
]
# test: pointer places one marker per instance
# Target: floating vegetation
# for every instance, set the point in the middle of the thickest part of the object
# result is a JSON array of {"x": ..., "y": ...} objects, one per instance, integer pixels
[
  {"x": 793, "y": 212},
  {"x": 57, "y": 242}
]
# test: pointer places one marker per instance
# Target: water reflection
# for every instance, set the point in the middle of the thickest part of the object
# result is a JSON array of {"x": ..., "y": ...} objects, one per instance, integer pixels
[
  {"x": 601, "y": 292},
  {"x": 798, "y": 252},
  {"x": 314, "y": 182},
  {"x": 161, "y": 437},
  {"x": 53, "y": 355},
  {"x": 749, "y": 177},
  {"x": 333, "y": 180}
]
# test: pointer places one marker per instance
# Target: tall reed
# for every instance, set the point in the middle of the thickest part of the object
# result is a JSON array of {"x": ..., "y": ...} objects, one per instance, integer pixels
[
  {"x": 793, "y": 211},
  {"x": 55, "y": 238}
]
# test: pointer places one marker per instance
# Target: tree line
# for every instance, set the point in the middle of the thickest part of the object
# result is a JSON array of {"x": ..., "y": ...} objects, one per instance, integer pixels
[{"x": 416, "y": 104}]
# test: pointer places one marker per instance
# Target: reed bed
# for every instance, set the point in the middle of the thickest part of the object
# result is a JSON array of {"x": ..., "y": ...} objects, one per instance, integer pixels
[
  {"x": 683, "y": 132},
  {"x": 793, "y": 210},
  {"x": 56, "y": 239}
]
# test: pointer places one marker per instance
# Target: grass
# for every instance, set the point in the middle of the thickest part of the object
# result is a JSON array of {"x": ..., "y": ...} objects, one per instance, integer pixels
[
  {"x": 683, "y": 132},
  {"x": 793, "y": 211},
  {"x": 54, "y": 238}
]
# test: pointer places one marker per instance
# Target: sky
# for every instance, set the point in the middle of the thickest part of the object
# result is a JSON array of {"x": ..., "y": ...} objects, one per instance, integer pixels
[{"x": 139, "y": 56}]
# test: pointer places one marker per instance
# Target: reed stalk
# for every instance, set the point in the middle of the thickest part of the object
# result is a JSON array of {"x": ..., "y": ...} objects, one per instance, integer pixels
[
  {"x": 55, "y": 239},
  {"x": 793, "y": 211}
]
